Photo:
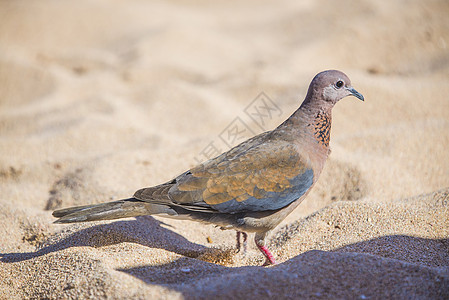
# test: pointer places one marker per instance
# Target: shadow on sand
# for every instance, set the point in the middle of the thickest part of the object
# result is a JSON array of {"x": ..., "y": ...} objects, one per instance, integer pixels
[
  {"x": 376, "y": 267},
  {"x": 145, "y": 231}
]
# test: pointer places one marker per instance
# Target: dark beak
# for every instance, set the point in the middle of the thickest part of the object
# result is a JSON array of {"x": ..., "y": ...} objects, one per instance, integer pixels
[{"x": 356, "y": 94}]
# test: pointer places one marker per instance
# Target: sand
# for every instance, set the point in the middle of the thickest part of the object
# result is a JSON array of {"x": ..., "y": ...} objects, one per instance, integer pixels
[{"x": 101, "y": 98}]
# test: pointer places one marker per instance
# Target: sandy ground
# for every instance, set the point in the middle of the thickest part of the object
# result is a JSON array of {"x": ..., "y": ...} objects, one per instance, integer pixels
[{"x": 101, "y": 98}]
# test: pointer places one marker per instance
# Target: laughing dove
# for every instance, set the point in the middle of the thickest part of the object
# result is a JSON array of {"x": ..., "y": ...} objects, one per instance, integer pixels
[{"x": 253, "y": 186}]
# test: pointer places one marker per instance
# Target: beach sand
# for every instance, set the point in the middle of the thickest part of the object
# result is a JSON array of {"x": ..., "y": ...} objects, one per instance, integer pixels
[{"x": 101, "y": 98}]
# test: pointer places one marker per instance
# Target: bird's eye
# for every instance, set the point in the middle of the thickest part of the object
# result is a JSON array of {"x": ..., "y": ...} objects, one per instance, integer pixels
[{"x": 339, "y": 84}]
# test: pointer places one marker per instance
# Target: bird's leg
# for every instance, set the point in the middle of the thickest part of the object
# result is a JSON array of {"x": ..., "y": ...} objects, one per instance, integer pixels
[
  {"x": 270, "y": 258},
  {"x": 260, "y": 243},
  {"x": 245, "y": 238},
  {"x": 238, "y": 240}
]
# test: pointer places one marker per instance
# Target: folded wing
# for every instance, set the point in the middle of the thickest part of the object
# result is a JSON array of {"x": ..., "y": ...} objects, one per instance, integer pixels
[{"x": 267, "y": 176}]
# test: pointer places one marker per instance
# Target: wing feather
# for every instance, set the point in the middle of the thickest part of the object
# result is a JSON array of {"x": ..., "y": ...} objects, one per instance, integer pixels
[
  {"x": 265, "y": 177},
  {"x": 254, "y": 176}
]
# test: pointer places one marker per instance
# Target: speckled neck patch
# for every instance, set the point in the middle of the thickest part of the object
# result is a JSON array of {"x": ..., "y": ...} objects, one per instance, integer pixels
[{"x": 323, "y": 128}]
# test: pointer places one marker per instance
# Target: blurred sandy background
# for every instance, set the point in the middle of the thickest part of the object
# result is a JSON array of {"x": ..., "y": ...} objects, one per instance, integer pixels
[{"x": 100, "y": 98}]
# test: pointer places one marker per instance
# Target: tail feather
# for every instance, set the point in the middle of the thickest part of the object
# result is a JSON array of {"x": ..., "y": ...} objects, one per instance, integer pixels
[
  {"x": 67, "y": 211},
  {"x": 111, "y": 210}
]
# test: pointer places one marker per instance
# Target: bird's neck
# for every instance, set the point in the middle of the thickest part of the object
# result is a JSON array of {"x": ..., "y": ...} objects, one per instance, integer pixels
[
  {"x": 315, "y": 120},
  {"x": 309, "y": 128},
  {"x": 320, "y": 122}
]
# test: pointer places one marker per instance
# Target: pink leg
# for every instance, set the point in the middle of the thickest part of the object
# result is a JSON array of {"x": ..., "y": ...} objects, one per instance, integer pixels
[
  {"x": 245, "y": 238},
  {"x": 268, "y": 255},
  {"x": 260, "y": 243},
  {"x": 238, "y": 240}
]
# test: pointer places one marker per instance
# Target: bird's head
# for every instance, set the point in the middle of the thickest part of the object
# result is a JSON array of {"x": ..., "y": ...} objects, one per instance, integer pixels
[{"x": 331, "y": 86}]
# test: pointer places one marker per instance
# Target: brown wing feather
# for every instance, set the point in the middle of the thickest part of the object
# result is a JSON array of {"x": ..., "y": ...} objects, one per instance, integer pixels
[
  {"x": 252, "y": 174},
  {"x": 250, "y": 170}
]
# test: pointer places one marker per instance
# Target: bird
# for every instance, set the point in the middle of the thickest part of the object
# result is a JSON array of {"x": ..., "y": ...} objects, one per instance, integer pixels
[{"x": 252, "y": 187}]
